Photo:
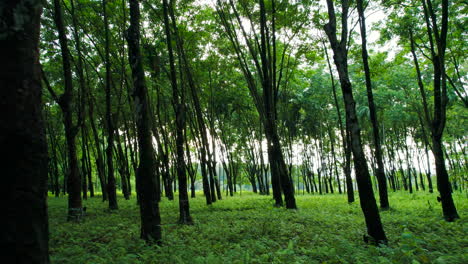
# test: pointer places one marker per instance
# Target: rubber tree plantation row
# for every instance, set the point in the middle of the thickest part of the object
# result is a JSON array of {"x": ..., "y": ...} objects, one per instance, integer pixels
[{"x": 175, "y": 99}]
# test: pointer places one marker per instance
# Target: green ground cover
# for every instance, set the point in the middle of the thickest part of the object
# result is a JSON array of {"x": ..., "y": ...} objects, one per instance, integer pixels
[{"x": 247, "y": 229}]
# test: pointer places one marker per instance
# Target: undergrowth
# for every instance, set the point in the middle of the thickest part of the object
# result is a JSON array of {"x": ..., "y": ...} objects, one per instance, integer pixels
[{"x": 248, "y": 229}]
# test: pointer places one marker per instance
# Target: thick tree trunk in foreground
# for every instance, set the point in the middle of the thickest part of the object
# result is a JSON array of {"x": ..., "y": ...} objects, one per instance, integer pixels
[
  {"x": 24, "y": 234},
  {"x": 148, "y": 198},
  {"x": 381, "y": 179},
  {"x": 366, "y": 195}
]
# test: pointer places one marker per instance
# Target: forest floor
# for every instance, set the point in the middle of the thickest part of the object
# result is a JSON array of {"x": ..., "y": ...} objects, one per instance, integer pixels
[{"x": 248, "y": 229}]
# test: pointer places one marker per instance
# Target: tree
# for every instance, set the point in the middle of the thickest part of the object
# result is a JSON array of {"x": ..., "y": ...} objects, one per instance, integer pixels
[
  {"x": 75, "y": 210},
  {"x": 263, "y": 52},
  {"x": 340, "y": 51},
  {"x": 148, "y": 197},
  {"x": 205, "y": 155},
  {"x": 344, "y": 136},
  {"x": 111, "y": 192},
  {"x": 384, "y": 204},
  {"x": 438, "y": 44},
  {"x": 24, "y": 236},
  {"x": 178, "y": 102}
]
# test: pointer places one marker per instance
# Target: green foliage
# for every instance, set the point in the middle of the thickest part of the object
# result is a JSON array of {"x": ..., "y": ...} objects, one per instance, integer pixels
[{"x": 247, "y": 229}]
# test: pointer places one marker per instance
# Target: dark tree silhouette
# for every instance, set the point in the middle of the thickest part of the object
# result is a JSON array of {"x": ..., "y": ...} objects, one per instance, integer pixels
[{"x": 24, "y": 235}]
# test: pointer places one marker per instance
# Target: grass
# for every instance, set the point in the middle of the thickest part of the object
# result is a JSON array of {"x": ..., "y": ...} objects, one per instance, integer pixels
[{"x": 248, "y": 229}]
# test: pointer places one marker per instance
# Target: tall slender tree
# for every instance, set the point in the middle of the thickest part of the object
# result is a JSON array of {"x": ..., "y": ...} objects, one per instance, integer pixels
[
  {"x": 438, "y": 44},
  {"x": 344, "y": 135},
  {"x": 381, "y": 179},
  {"x": 178, "y": 103},
  {"x": 263, "y": 52},
  {"x": 75, "y": 210},
  {"x": 111, "y": 189},
  {"x": 340, "y": 51},
  {"x": 148, "y": 197},
  {"x": 205, "y": 155}
]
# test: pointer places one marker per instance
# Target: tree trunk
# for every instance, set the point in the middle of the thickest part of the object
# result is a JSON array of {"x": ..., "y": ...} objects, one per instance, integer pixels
[
  {"x": 98, "y": 155},
  {"x": 24, "y": 235},
  {"x": 208, "y": 184},
  {"x": 148, "y": 198},
  {"x": 75, "y": 211},
  {"x": 277, "y": 163},
  {"x": 213, "y": 163},
  {"x": 84, "y": 169},
  {"x": 344, "y": 136},
  {"x": 82, "y": 95},
  {"x": 178, "y": 97},
  {"x": 367, "y": 199},
  {"x": 111, "y": 189},
  {"x": 335, "y": 162},
  {"x": 443, "y": 183},
  {"x": 90, "y": 171},
  {"x": 380, "y": 173},
  {"x": 438, "y": 42},
  {"x": 123, "y": 167},
  {"x": 421, "y": 179}
]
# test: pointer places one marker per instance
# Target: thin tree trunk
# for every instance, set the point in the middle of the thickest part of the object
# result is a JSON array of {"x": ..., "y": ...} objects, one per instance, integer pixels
[
  {"x": 123, "y": 167},
  {"x": 332, "y": 145},
  {"x": 178, "y": 97},
  {"x": 111, "y": 188},
  {"x": 84, "y": 186},
  {"x": 421, "y": 179},
  {"x": 90, "y": 169},
  {"x": 380, "y": 173},
  {"x": 277, "y": 163},
  {"x": 98, "y": 155}
]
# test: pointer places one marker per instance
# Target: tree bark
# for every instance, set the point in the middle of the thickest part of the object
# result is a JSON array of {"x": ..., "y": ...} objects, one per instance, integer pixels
[
  {"x": 366, "y": 195},
  {"x": 75, "y": 210},
  {"x": 178, "y": 97},
  {"x": 380, "y": 172},
  {"x": 438, "y": 43},
  {"x": 24, "y": 235},
  {"x": 111, "y": 189},
  {"x": 148, "y": 198}
]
